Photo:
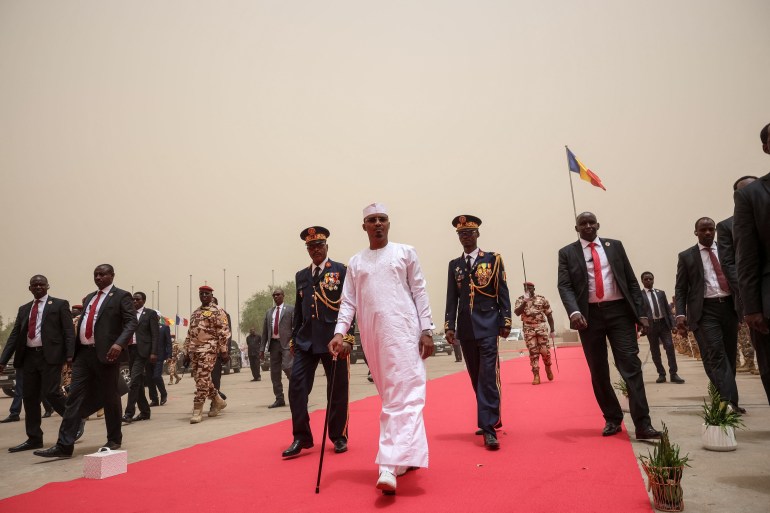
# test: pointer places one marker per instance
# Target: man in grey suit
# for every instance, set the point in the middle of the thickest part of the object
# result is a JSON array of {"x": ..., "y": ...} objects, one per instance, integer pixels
[
  {"x": 276, "y": 334},
  {"x": 751, "y": 227}
]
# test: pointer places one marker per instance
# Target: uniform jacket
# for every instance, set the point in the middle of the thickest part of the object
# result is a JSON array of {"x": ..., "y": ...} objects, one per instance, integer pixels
[
  {"x": 573, "y": 277},
  {"x": 317, "y": 306},
  {"x": 665, "y": 308},
  {"x": 284, "y": 327},
  {"x": 751, "y": 227},
  {"x": 478, "y": 303},
  {"x": 56, "y": 331},
  {"x": 114, "y": 324},
  {"x": 147, "y": 333},
  {"x": 690, "y": 285}
]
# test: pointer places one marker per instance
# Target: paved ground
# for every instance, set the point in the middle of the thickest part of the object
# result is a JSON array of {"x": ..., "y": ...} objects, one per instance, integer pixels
[{"x": 717, "y": 482}]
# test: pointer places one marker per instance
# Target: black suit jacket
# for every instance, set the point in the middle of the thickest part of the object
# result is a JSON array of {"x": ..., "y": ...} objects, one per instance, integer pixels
[
  {"x": 726, "y": 250},
  {"x": 164, "y": 343},
  {"x": 573, "y": 277},
  {"x": 115, "y": 321},
  {"x": 147, "y": 333},
  {"x": 491, "y": 308},
  {"x": 668, "y": 317},
  {"x": 751, "y": 229},
  {"x": 56, "y": 331},
  {"x": 690, "y": 285},
  {"x": 317, "y": 306}
]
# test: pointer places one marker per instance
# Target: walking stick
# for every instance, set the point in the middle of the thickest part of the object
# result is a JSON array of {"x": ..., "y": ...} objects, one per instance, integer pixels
[
  {"x": 326, "y": 425},
  {"x": 555, "y": 358}
]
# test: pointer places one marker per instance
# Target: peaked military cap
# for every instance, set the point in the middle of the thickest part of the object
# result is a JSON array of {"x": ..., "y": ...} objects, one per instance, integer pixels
[
  {"x": 529, "y": 284},
  {"x": 205, "y": 287},
  {"x": 466, "y": 222},
  {"x": 314, "y": 234}
]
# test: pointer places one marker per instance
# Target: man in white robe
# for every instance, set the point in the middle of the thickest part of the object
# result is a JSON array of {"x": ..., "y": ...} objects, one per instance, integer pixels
[{"x": 385, "y": 291}]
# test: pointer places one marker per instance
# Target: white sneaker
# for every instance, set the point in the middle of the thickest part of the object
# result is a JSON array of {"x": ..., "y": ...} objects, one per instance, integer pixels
[
  {"x": 400, "y": 471},
  {"x": 387, "y": 482}
]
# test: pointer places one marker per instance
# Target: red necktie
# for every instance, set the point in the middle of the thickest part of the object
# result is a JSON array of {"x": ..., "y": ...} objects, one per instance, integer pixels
[
  {"x": 91, "y": 315},
  {"x": 597, "y": 270},
  {"x": 718, "y": 269},
  {"x": 275, "y": 322},
  {"x": 33, "y": 321}
]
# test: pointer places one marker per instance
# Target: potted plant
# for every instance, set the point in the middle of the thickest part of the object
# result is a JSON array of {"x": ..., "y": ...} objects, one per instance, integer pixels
[
  {"x": 720, "y": 421},
  {"x": 664, "y": 468},
  {"x": 622, "y": 387}
]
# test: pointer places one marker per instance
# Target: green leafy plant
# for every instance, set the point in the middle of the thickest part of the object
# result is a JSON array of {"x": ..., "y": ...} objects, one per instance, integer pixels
[
  {"x": 717, "y": 412},
  {"x": 621, "y": 386},
  {"x": 664, "y": 468}
]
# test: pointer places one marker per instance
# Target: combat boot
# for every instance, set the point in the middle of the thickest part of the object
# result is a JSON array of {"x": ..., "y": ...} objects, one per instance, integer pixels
[
  {"x": 536, "y": 380},
  {"x": 548, "y": 373},
  {"x": 217, "y": 404},
  {"x": 197, "y": 415}
]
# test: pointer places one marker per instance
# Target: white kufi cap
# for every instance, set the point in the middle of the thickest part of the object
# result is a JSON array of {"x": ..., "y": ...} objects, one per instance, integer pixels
[{"x": 375, "y": 208}]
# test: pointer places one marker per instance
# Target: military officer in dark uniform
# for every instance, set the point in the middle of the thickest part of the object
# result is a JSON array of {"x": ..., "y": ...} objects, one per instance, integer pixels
[
  {"x": 478, "y": 304},
  {"x": 319, "y": 289}
]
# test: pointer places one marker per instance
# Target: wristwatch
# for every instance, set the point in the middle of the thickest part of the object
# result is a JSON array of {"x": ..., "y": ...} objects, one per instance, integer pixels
[{"x": 427, "y": 332}]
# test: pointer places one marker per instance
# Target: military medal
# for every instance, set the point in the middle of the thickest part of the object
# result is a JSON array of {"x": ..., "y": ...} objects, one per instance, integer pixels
[
  {"x": 331, "y": 281},
  {"x": 483, "y": 274}
]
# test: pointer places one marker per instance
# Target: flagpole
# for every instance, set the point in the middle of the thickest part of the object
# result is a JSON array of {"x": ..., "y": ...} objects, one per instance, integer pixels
[
  {"x": 153, "y": 300},
  {"x": 190, "y": 311},
  {"x": 571, "y": 189},
  {"x": 176, "y": 325},
  {"x": 158, "y": 295},
  {"x": 238, "y": 300},
  {"x": 224, "y": 289}
]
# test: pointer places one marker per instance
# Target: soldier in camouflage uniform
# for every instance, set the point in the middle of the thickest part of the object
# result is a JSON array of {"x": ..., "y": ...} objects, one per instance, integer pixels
[
  {"x": 537, "y": 317},
  {"x": 745, "y": 348},
  {"x": 206, "y": 340},
  {"x": 171, "y": 362}
]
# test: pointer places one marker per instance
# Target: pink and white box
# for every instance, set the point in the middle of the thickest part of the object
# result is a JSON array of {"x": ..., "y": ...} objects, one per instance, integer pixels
[{"x": 104, "y": 463}]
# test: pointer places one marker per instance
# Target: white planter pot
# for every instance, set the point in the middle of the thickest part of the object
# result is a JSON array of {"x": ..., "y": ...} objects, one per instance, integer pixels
[
  {"x": 716, "y": 438},
  {"x": 623, "y": 400}
]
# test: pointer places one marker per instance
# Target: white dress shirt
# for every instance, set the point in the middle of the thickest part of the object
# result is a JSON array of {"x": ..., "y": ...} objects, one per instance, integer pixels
[
  {"x": 712, "y": 288},
  {"x": 473, "y": 254},
  {"x": 313, "y": 267},
  {"x": 652, "y": 296},
  {"x": 611, "y": 290},
  {"x": 138, "y": 316},
  {"x": 38, "y": 340},
  {"x": 90, "y": 341}
]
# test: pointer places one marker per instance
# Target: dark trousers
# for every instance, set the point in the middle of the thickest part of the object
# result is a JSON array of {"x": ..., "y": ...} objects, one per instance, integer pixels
[
  {"x": 614, "y": 321},
  {"x": 660, "y": 334},
  {"x": 254, "y": 365},
  {"x": 762, "y": 348},
  {"x": 136, "y": 395},
  {"x": 458, "y": 348},
  {"x": 717, "y": 337},
  {"x": 301, "y": 384},
  {"x": 18, "y": 395},
  {"x": 276, "y": 364},
  {"x": 216, "y": 373},
  {"x": 41, "y": 379},
  {"x": 153, "y": 377},
  {"x": 89, "y": 375},
  {"x": 483, "y": 364}
]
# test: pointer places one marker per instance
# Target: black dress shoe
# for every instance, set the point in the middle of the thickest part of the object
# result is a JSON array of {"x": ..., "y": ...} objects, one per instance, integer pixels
[
  {"x": 47, "y": 414},
  {"x": 154, "y": 403},
  {"x": 81, "y": 430},
  {"x": 26, "y": 446},
  {"x": 113, "y": 446},
  {"x": 127, "y": 419},
  {"x": 340, "y": 445},
  {"x": 610, "y": 428},
  {"x": 277, "y": 403},
  {"x": 648, "y": 433},
  {"x": 163, "y": 401},
  {"x": 295, "y": 448},
  {"x": 10, "y": 418},
  {"x": 490, "y": 442},
  {"x": 57, "y": 451},
  {"x": 676, "y": 379},
  {"x": 661, "y": 379},
  {"x": 141, "y": 416}
]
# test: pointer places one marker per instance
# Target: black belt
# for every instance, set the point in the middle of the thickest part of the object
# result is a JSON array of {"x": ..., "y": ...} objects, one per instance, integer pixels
[
  {"x": 88, "y": 346},
  {"x": 34, "y": 348},
  {"x": 276, "y": 339},
  {"x": 657, "y": 320},
  {"x": 723, "y": 299},
  {"x": 605, "y": 304}
]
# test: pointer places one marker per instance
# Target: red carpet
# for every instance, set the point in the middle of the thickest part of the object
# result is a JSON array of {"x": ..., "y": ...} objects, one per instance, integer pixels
[{"x": 552, "y": 459}]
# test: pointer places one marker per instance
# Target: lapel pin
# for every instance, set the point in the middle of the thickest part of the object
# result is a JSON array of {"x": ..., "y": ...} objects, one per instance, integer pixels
[
  {"x": 110, "y": 294},
  {"x": 50, "y": 302},
  {"x": 607, "y": 244}
]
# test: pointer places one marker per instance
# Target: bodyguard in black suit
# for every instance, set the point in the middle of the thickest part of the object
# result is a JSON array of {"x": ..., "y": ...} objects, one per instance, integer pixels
[
  {"x": 604, "y": 302},
  {"x": 43, "y": 338},
  {"x": 751, "y": 229},
  {"x": 479, "y": 306},
  {"x": 319, "y": 288},
  {"x": 105, "y": 329},
  {"x": 142, "y": 350},
  {"x": 658, "y": 312},
  {"x": 705, "y": 305},
  {"x": 156, "y": 388}
]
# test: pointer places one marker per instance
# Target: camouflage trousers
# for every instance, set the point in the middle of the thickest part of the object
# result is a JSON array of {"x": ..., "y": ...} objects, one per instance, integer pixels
[
  {"x": 172, "y": 369},
  {"x": 744, "y": 343},
  {"x": 536, "y": 339},
  {"x": 201, "y": 366}
]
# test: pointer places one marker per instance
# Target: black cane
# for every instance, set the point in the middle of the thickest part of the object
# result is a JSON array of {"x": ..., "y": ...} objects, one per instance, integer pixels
[{"x": 326, "y": 425}]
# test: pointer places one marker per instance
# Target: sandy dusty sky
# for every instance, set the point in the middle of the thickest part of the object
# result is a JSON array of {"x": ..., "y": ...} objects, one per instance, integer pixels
[{"x": 187, "y": 137}]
